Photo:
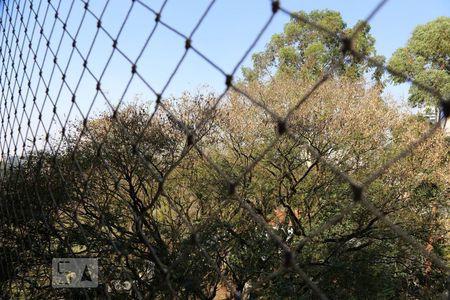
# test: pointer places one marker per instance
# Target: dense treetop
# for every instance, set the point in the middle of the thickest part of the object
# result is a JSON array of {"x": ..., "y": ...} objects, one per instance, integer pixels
[
  {"x": 426, "y": 58},
  {"x": 310, "y": 45}
]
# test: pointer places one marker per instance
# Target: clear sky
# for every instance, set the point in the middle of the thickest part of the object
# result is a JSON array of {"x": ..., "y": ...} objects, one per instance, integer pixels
[
  {"x": 225, "y": 34},
  {"x": 231, "y": 26}
]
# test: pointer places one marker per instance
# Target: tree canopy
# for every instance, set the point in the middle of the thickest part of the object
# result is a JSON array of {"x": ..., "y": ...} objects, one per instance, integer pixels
[
  {"x": 304, "y": 51},
  {"x": 426, "y": 58},
  {"x": 128, "y": 186},
  {"x": 109, "y": 202}
]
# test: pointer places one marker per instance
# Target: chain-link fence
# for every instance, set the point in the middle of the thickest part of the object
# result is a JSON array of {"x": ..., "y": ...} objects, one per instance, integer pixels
[{"x": 140, "y": 189}]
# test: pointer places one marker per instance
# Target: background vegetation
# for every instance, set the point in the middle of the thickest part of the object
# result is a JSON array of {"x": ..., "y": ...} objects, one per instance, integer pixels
[{"x": 129, "y": 188}]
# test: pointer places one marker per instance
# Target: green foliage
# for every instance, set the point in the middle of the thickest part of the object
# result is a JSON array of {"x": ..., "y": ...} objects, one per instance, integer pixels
[
  {"x": 111, "y": 202},
  {"x": 120, "y": 215},
  {"x": 304, "y": 51},
  {"x": 426, "y": 58}
]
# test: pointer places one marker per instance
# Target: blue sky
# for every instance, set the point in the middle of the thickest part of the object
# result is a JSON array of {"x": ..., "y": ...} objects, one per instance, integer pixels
[
  {"x": 231, "y": 26},
  {"x": 223, "y": 37}
]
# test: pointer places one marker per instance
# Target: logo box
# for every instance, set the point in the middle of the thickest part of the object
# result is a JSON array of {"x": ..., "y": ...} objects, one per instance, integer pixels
[{"x": 74, "y": 272}]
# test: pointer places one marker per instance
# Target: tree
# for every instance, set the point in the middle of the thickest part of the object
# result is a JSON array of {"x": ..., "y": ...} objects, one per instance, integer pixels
[
  {"x": 303, "y": 51},
  {"x": 426, "y": 58},
  {"x": 99, "y": 196},
  {"x": 107, "y": 201},
  {"x": 351, "y": 126},
  {"x": 101, "y": 193}
]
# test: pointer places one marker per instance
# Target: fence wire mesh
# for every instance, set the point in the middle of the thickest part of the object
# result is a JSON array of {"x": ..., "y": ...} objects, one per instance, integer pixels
[{"x": 129, "y": 186}]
